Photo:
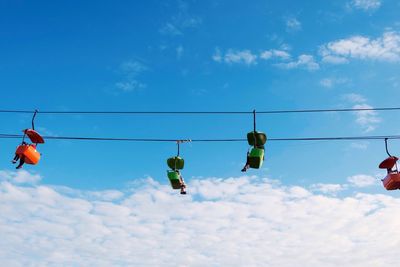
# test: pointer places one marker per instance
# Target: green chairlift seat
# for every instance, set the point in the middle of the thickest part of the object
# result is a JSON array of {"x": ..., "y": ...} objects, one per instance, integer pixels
[
  {"x": 258, "y": 138},
  {"x": 256, "y": 158},
  {"x": 176, "y": 163},
  {"x": 174, "y": 179}
]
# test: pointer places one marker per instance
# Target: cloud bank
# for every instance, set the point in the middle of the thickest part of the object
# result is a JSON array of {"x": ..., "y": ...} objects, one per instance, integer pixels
[{"x": 244, "y": 221}]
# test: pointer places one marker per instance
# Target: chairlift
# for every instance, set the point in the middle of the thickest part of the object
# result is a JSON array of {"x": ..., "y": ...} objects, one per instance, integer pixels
[
  {"x": 176, "y": 164},
  {"x": 392, "y": 179},
  {"x": 257, "y": 140},
  {"x": 27, "y": 153}
]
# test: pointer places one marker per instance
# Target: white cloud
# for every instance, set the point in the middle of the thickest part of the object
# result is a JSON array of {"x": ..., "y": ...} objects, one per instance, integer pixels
[
  {"x": 217, "y": 55},
  {"x": 247, "y": 57},
  {"x": 360, "y": 145},
  {"x": 130, "y": 85},
  {"x": 170, "y": 29},
  {"x": 279, "y": 54},
  {"x": 334, "y": 59},
  {"x": 20, "y": 177},
  {"x": 367, "y": 119},
  {"x": 243, "y": 56},
  {"x": 362, "y": 180},
  {"x": 328, "y": 83},
  {"x": 222, "y": 222},
  {"x": 130, "y": 70},
  {"x": 355, "y": 98},
  {"x": 332, "y": 82},
  {"x": 366, "y": 5},
  {"x": 181, "y": 21},
  {"x": 235, "y": 56},
  {"x": 303, "y": 61},
  {"x": 293, "y": 24},
  {"x": 384, "y": 48},
  {"x": 328, "y": 188},
  {"x": 266, "y": 54}
]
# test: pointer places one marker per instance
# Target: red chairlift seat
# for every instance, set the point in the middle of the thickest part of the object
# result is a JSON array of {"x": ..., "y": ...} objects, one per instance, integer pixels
[
  {"x": 34, "y": 136},
  {"x": 392, "y": 179}
]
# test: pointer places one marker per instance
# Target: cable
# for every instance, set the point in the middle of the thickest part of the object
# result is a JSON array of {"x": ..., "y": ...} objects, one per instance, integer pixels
[
  {"x": 337, "y": 138},
  {"x": 202, "y": 112}
]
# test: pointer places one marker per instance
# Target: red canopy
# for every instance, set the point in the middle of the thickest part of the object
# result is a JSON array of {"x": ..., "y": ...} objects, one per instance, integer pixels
[
  {"x": 388, "y": 163},
  {"x": 34, "y": 136}
]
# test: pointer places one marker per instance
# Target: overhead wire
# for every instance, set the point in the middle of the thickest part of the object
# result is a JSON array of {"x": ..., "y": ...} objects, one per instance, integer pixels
[
  {"x": 55, "y": 112},
  {"x": 332, "y": 138}
]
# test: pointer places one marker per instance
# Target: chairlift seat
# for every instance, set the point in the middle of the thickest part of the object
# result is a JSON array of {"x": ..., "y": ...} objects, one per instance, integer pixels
[
  {"x": 388, "y": 163},
  {"x": 258, "y": 138},
  {"x": 176, "y": 163},
  {"x": 29, "y": 153},
  {"x": 392, "y": 181},
  {"x": 256, "y": 158},
  {"x": 175, "y": 179},
  {"x": 34, "y": 136}
]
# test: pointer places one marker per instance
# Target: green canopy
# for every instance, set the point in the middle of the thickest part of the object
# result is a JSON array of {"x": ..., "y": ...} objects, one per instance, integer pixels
[
  {"x": 256, "y": 138},
  {"x": 176, "y": 163}
]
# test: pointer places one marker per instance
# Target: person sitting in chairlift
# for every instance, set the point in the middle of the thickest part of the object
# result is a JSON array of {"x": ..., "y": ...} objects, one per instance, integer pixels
[
  {"x": 183, "y": 185},
  {"x": 247, "y": 165},
  {"x": 392, "y": 170},
  {"x": 21, "y": 158}
]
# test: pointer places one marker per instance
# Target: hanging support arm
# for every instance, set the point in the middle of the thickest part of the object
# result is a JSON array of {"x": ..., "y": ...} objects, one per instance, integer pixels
[
  {"x": 254, "y": 120},
  {"x": 33, "y": 119},
  {"x": 386, "y": 147},
  {"x": 254, "y": 127}
]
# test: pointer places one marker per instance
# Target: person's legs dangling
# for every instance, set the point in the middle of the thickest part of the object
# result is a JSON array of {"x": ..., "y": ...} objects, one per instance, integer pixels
[
  {"x": 15, "y": 159},
  {"x": 21, "y": 162}
]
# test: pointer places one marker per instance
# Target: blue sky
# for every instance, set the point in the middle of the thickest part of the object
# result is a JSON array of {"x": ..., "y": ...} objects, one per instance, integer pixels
[
  {"x": 197, "y": 56},
  {"x": 200, "y": 56}
]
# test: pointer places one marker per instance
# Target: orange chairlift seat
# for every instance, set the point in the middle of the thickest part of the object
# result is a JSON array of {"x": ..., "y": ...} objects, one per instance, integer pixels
[
  {"x": 392, "y": 179},
  {"x": 27, "y": 152}
]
